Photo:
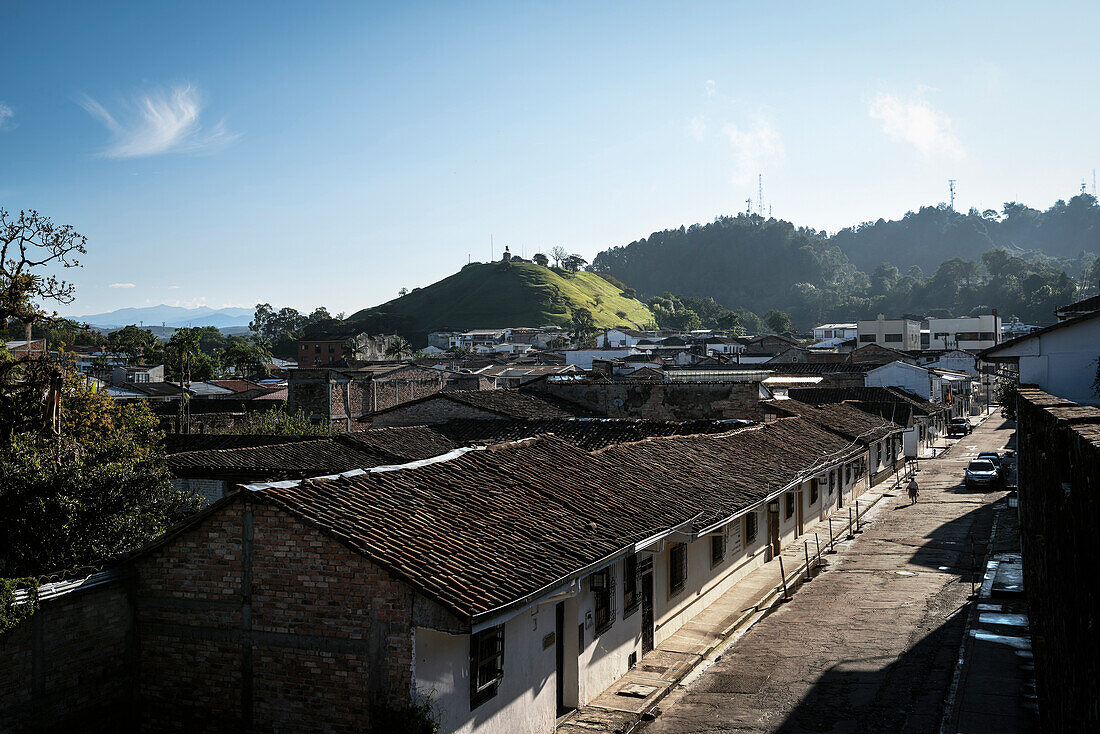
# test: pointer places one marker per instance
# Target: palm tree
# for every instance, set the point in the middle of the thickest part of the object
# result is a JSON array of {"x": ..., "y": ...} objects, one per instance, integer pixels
[{"x": 398, "y": 347}]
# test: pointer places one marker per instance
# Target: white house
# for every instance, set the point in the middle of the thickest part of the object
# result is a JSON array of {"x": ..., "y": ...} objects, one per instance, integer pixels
[
  {"x": 621, "y": 337},
  {"x": 835, "y": 331},
  {"x": 917, "y": 380},
  {"x": 1061, "y": 359},
  {"x": 583, "y": 357}
]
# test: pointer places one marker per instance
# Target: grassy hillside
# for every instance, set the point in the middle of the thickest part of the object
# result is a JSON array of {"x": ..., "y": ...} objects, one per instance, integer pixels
[{"x": 491, "y": 295}]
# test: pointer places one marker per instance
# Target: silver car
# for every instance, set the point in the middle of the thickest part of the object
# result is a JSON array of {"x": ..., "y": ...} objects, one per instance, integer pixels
[{"x": 982, "y": 473}]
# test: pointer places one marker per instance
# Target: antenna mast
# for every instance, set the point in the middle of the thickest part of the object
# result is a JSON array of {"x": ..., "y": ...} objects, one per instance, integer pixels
[
  {"x": 760, "y": 194},
  {"x": 748, "y": 206},
  {"x": 1094, "y": 182},
  {"x": 951, "y": 185}
]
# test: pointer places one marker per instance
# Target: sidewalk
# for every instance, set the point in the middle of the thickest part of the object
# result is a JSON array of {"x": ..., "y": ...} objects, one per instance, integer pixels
[
  {"x": 696, "y": 645},
  {"x": 994, "y": 687}
]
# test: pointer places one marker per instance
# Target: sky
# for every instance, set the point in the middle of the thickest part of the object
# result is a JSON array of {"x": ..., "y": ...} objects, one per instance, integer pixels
[{"x": 307, "y": 154}]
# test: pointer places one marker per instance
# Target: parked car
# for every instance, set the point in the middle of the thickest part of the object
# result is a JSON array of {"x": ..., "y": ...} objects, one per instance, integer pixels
[
  {"x": 959, "y": 427},
  {"x": 982, "y": 473},
  {"x": 994, "y": 457}
]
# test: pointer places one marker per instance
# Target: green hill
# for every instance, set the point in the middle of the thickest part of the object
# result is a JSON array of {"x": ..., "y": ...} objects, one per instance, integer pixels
[{"x": 493, "y": 295}]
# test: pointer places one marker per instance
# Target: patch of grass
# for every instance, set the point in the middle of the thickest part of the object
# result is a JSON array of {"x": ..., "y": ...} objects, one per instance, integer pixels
[{"x": 494, "y": 295}]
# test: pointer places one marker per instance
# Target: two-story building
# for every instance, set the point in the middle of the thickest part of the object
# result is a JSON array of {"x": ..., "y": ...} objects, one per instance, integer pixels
[{"x": 900, "y": 334}]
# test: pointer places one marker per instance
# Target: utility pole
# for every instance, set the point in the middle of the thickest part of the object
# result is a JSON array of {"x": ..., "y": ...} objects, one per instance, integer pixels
[{"x": 951, "y": 186}]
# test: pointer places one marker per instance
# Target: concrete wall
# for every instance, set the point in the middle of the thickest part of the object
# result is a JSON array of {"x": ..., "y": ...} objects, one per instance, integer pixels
[
  {"x": 916, "y": 380},
  {"x": 1063, "y": 362}
]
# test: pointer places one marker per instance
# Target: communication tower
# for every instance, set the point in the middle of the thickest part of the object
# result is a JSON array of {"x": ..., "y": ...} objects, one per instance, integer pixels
[{"x": 951, "y": 186}]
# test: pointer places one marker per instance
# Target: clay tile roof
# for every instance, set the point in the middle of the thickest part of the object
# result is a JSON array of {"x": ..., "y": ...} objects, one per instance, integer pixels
[
  {"x": 589, "y": 434},
  {"x": 314, "y": 457},
  {"x": 508, "y": 403},
  {"x": 175, "y": 443},
  {"x": 843, "y": 418},
  {"x": 819, "y": 395},
  {"x": 485, "y": 527}
]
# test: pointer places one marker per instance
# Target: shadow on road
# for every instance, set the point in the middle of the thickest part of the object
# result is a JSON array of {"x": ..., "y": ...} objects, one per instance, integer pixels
[{"x": 884, "y": 695}]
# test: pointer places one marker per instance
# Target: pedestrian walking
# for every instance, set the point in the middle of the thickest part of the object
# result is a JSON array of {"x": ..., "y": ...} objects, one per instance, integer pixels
[{"x": 913, "y": 492}]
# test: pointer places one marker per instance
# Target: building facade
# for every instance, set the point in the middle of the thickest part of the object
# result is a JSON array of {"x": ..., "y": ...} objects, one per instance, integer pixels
[{"x": 971, "y": 333}]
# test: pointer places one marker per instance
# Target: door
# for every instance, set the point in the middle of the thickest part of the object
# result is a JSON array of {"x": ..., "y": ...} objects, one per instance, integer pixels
[
  {"x": 799, "y": 513},
  {"x": 772, "y": 549},
  {"x": 559, "y": 654},
  {"x": 647, "y": 612}
]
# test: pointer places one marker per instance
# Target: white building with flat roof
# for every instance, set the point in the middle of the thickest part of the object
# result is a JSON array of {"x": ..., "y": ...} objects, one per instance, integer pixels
[
  {"x": 835, "y": 331},
  {"x": 901, "y": 334},
  {"x": 971, "y": 333}
]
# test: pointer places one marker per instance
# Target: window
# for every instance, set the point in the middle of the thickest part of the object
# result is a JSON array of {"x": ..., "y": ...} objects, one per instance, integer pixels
[
  {"x": 893, "y": 337},
  {"x": 717, "y": 548},
  {"x": 305, "y": 347},
  {"x": 630, "y": 585},
  {"x": 602, "y": 591},
  {"x": 677, "y": 568},
  {"x": 847, "y": 473},
  {"x": 813, "y": 488},
  {"x": 942, "y": 335},
  {"x": 878, "y": 454},
  {"x": 316, "y": 348},
  {"x": 332, "y": 348},
  {"x": 486, "y": 664},
  {"x": 789, "y": 510},
  {"x": 986, "y": 336},
  {"x": 867, "y": 338},
  {"x": 833, "y": 477},
  {"x": 750, "y": 528}
]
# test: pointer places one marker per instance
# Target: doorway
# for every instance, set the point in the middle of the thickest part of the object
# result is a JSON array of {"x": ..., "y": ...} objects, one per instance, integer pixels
[
  {"x": 772, "y": 549},
  {"x": 559, "y": 654},
  {"x": 799, "y": 512}
]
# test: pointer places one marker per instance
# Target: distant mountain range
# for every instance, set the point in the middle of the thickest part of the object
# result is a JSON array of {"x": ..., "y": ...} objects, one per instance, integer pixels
[{"x": 169, "y": 316}]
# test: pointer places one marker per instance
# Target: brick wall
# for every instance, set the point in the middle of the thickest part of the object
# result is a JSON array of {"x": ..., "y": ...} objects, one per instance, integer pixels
[
  {"x": 289, "y": 629},
  {"x": 1058, "y": 444},
  {"x": 68, "y": 667},
  {"x": 427, "y": 413},
  {"x": 249, "y": 620},
  {"x": 660, "y": 400},
  {"x": 388, "y": 393}
]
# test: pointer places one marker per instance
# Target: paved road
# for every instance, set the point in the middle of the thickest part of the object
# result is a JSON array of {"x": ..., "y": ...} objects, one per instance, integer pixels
[{"x": 869, "y": 645}]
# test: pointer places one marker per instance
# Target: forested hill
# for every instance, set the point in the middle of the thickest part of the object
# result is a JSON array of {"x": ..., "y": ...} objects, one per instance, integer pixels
[
  {"x": 932, "y": 262},
  {"x": 927, "y": 237}
]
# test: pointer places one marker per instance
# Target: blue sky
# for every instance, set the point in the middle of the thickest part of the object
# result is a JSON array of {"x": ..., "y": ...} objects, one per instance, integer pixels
[{"x": 331, "y": 153}]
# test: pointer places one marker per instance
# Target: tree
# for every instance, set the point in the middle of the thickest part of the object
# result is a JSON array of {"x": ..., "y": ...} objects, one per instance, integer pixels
[
  {"x": 276, "y": 422},
  {"x": 573, "y": 263},
  {"x": 539, "y": 259},
  {"x": 403, "y": 292},
  {"x": 582, "y": 327},
  {"x": 778, "y": 321},
  {"x": 95, "y": 488},
  {"x": 398, "y": 348},
  {"x": 559, "y": 254},
  {"x": 28, "y": 243},
  {"x": 134, "y": 343},
  {"x": 182, "y": 351},
  {"x": 247, "y": 357}
]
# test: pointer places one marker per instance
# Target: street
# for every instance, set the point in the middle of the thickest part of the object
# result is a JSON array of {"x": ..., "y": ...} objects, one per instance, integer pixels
[{"x": 870, "y": 644}]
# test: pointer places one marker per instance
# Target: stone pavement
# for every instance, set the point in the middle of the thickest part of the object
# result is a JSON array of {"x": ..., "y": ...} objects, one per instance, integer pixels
[
  {"x": 871, "y": 645},
  {"x": 692, "y": 648}
]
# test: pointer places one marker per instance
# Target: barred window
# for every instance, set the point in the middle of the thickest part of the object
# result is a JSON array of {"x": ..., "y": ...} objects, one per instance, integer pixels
[
  {"x": 789, "y": 510},
  {"x": 750, "y": 528},
  {"x": 630, "y": 584},
  {"x": 677, "y": 568},
  {"x": 486, "y": 664},
  {"x": 717, "y": 548},
  {"x": 602, "y": 590}
]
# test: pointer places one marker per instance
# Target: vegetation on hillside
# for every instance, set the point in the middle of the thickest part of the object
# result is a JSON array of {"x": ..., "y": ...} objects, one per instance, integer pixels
[
  {"x": 492, "y": 295},
  {"x": 749, "y": 263}
]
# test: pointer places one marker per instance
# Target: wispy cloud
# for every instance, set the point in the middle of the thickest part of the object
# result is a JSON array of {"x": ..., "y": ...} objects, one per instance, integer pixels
[
  {"x": 698, "y": 127},
  {"x": 173, "y": 287},
  {"x": 162, "y": 121},
  {"x": 121, "y": 285},
  {"x": 6, "y": 115},
  {"x": 913, "y": 120},
  {"x": 711, "y": 87},
  {"x": 754, "y": 148}
]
